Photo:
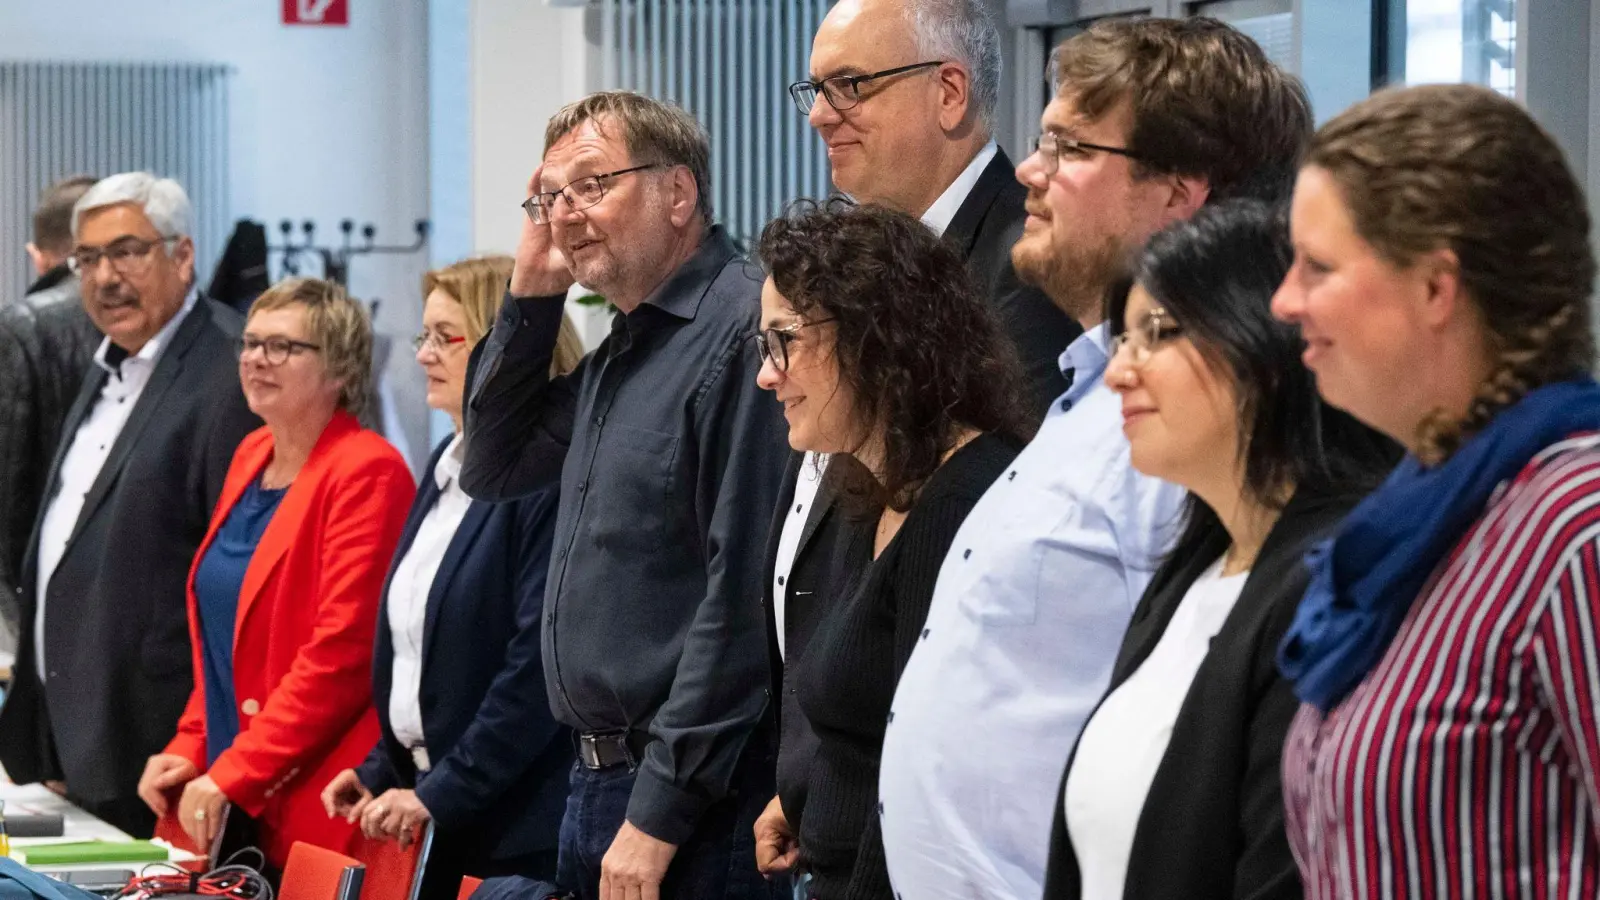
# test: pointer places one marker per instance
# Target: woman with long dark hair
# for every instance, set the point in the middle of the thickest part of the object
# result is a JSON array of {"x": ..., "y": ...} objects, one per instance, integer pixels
[
  {"x": 1173, "y": 790},
  {"x": 885, "y": 357}
]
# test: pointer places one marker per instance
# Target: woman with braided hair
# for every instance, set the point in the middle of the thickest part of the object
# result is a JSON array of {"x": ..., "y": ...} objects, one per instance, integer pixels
[{"x": 1446, "y": 651}]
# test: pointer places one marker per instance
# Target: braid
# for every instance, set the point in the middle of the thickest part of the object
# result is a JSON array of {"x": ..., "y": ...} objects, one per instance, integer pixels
[{"x": 1522, "y": 363}]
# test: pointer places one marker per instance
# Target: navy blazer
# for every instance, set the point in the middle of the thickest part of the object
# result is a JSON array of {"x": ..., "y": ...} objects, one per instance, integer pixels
[{"x": 500, "y": 760}]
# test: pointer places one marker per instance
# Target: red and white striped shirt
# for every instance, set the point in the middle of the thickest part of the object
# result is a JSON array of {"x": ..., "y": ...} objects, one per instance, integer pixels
[{"x": 1467, "y": 763}]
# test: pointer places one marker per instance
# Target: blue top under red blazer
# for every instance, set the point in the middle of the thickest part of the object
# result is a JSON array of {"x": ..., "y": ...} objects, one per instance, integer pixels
[{"x": 501, "y": 763}]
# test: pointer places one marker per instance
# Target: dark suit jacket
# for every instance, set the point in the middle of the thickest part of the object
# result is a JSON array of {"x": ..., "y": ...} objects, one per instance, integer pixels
[
  {"x": 46, "y": 344},
  {"x": 813, "y": 587},
  {"x": 116, "y": 631},
  {"x": 1212, "y": 825},
  {"x": 985, "y": 228},
  {"x": 500, "y": 761}
]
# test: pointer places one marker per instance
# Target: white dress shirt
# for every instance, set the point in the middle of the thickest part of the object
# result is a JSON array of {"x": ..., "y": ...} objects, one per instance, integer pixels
[
  {"x": 1126, "y": 739},
  {"x": 87, "y": 455},
  {"x": 408, "y": 600},
  {"x": 1026, "y": 619},
  {"x": 805, "y": 495},
  {"x": 943, "y": 211}
]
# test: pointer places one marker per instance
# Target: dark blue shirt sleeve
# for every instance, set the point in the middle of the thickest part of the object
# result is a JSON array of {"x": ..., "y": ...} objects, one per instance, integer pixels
[{"x": 518, "y": 418}]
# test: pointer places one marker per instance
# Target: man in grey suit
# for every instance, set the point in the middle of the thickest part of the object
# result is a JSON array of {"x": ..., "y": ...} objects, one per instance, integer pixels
[
  {"x": 104, "y": 661},
  {"x": 46, "y": 342}
]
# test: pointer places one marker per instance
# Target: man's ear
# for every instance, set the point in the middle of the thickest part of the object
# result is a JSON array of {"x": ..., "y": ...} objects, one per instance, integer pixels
[
  {"x": 685, "y": 196},
  {"x": 41, "y": 262},
  {"x": 1189, "y": 194},
  {"x": 183, "y": 255},
  {"x": 955, "y": 96}
]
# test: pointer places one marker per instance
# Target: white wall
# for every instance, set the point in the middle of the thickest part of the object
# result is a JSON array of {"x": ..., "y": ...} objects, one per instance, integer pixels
[
  {"x": 327, "y": 122},
  {"x": 528, "y": 61}
]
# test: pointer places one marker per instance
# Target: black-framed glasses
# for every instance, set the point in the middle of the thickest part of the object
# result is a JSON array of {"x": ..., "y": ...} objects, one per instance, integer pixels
[
  {"x": 437, "y": 341},
  {"x": 844, "y": 91},
  {"x": 581, "y": 194},
  {"x": 128, "y": 256},
  {"x": 276, "y": 350},
  {"x": 1156, "y": 329},
  {"x": 1051, "y": 147},
  {"x": 773, "y": 343}
]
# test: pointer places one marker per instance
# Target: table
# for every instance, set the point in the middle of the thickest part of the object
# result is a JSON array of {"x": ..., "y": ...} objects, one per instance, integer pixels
[{"x": 77, "y": 825}]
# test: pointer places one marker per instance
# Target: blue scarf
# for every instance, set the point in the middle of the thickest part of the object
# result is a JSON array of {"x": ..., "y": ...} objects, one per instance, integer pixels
[{"x": 1364, "y": 578}]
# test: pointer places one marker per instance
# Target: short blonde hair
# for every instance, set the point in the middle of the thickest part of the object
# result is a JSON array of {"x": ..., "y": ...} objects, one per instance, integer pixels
[
  {"x": 338, "y": 324},
  {"x": 478, "y": 284}
]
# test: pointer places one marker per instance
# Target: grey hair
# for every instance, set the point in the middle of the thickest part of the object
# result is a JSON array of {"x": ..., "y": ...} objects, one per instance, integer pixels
[
  {"x": 961, "y": 31},
  {"x": 164, "y": 201}
]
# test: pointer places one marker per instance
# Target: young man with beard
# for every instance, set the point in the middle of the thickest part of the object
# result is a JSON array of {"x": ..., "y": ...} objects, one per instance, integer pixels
[{"x": 1151, "y": 120}]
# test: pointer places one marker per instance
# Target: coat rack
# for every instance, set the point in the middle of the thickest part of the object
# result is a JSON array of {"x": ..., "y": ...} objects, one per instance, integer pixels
[{"x": 336, "y": 260}]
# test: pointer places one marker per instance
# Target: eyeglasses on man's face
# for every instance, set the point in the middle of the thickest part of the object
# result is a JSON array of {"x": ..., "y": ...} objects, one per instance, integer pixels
[
  {"x": 436, "y": 341},
  {"x": 844, "y": 91},
  {"x": 1154, "y": 331},
  {"x": 1052, "y": 148},
  {"x": 128, "y": 256},
  {"x": 580, "y": 194},
  {"x": 275, "y": 350},
  {"x": 773, "y": 343}
]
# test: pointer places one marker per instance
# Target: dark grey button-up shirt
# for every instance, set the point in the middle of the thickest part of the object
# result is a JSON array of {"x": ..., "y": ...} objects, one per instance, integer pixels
[{"x": 669, "y": 459}]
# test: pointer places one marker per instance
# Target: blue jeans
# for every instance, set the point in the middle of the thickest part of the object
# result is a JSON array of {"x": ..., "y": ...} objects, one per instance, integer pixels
[{"x": 717, "y": 863}]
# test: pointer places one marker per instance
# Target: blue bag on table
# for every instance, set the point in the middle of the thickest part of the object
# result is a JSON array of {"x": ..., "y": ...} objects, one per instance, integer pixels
[{"x": 18, "y": 882}]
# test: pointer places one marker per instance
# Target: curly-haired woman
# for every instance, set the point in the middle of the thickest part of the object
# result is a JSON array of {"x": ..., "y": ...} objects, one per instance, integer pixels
[
  {"x": 1446, "y": 649},
  {"x": 884, "y": 357}
]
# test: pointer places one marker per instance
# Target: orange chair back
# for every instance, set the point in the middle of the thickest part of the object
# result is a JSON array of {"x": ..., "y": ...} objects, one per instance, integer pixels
[
  {"x": 392, "y": 873},
  {"x": 468, "y": 885},
  {"x": 313, "y": 873}
]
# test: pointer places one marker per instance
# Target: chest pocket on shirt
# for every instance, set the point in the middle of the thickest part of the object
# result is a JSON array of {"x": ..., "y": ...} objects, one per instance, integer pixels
[{"x": 629, "y": 488}]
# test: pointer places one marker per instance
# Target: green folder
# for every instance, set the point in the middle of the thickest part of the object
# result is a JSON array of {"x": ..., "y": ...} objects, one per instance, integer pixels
[{"x": 90, "y": 852}]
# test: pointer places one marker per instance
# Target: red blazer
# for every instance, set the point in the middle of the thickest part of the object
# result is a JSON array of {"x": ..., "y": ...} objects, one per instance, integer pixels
[{"x": 302, "y": 646}]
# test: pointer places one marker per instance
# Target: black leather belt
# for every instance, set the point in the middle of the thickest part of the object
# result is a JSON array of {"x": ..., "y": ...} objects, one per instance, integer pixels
[{"x": 599, "y": 750}]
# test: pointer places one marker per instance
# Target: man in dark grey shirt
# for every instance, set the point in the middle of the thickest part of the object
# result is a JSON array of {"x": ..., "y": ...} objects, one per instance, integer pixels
[{"x": 669, "y": 459}]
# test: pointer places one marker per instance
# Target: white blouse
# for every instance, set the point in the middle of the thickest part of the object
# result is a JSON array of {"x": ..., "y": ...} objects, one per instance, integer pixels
[
  {"x": 1125, "y": 740},
  {"x": 408, "y": 599}
]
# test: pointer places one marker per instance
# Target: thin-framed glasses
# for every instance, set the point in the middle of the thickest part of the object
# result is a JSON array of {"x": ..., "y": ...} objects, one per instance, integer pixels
[
  {"x": 844, "y": 91},
  {"x": 773, "y": 343},
  {"x": 276, "y": 350},
  {"x": 1051, "y": 147},
  {"x": 128, "y": 256},
  {"x": 436, "y": 341},
  {"x": 1154, "y": 331},
  {"x": 581, "y": 194}
]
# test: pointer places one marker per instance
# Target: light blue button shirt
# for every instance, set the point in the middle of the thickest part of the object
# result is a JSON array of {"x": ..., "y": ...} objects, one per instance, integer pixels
[{"x": 1029, "y": 611}]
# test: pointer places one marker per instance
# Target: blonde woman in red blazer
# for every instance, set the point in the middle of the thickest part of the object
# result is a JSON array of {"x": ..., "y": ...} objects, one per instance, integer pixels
[{"x": 283, "y": 595}]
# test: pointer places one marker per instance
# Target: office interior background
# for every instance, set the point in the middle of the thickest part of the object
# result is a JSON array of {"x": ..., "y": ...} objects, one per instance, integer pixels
[{"x": 393, "y": 112}]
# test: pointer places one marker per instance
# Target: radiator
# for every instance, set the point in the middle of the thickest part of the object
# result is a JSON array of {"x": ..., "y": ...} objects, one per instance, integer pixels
[
  {"x": 729, "y": 62},
  {"x": 61, "y": 119}
]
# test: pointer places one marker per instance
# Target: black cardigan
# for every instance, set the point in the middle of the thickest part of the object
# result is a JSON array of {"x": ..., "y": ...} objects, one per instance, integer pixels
[
  {"x": 814, "y": 584},
  {"x": 849, "y": 672},
  {"x": 1212, "y": 825}
]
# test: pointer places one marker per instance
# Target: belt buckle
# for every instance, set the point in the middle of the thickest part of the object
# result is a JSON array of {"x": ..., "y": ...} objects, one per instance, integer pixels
[{"x": 588, "y": 753}]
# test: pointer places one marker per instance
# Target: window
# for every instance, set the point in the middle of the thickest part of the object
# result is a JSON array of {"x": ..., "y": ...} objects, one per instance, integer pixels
[
  {"x": 1471, "y": 41},
  {"x": 1270, "y": 22}
]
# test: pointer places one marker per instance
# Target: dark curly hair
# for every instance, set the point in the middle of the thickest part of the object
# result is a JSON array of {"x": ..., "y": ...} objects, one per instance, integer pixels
[
  {"x": 915, "y": 343},
  {"x": 1463, "y": 168}
]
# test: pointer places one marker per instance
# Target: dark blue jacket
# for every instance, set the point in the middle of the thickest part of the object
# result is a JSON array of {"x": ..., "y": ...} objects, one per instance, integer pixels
[{"x": 500, "y": 761}]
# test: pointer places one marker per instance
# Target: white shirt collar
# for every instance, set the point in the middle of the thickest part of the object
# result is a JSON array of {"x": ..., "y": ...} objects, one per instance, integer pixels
[
  {"x": 943, "y": 211},
  {"x": 151, "y": 351},
  {"x": 449, "y": 467}
]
